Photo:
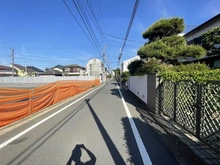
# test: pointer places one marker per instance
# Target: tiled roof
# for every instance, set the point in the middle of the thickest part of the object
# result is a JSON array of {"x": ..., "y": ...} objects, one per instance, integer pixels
[
  {"x": 58, "y": 66},
  {"x": 2, "y": 67},
  {"x": 204, "y": 24},
  {"x": 28, "y": 68},
  {"x": 32, "y": 68},
  {"x": 19, "y": 66},
  {"x": 51, "y": 72},
  {"x": 74, "y": 66}
]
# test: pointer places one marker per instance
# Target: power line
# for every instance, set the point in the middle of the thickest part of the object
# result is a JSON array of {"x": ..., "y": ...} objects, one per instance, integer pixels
[
  {"x": 86, "y": 25},
  {"x": 129, "y": 28},
  {"x": 96, "y": 21},
  {"x": 79, "y": 24},
  {"x": 122, "y": 38}
]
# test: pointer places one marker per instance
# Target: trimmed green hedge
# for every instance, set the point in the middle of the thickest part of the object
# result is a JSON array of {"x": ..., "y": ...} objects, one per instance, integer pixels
[{"x": 196, "y": 76}]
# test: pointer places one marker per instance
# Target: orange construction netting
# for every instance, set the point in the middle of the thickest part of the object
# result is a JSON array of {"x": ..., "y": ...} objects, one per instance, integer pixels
[{"x": 16, "y": 104}]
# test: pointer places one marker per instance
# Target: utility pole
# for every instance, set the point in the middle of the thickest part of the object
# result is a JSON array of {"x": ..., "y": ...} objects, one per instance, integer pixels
[
  {"x": 12, "y": 59},
  {"x": 119, "y": 58},
  {"x": 104, "y": 58}
]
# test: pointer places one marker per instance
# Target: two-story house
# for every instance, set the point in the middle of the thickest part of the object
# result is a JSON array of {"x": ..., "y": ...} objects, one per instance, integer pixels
[
  {"x": 74, "y": 70},
  {"x": 195, "y": 37},
  {"x": 5, "y": 71},
  {"x": 59, "y": 68},
  {"x": 26, "y": 71}
]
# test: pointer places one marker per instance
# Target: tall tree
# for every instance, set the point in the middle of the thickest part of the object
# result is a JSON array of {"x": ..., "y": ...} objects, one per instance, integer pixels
[
  {"x": 164, "y": 28},
  {"x": 165, "y": 44}
]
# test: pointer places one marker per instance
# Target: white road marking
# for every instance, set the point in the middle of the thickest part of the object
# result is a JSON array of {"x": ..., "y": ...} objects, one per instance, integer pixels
[
  {"x": 144, "y": 155},
  {"x": 42, "y": 121}
]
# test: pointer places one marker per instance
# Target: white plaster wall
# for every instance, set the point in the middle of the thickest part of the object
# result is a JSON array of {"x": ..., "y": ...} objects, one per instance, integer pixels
[
  {"x": 124, "y": 64},
  {"x": 201, "y": 31},
  {"x": 138, "y": 85},
  {"x": 96, "y": 69}
]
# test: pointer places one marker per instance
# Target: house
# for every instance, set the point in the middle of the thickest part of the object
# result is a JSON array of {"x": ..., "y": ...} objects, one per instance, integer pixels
[
  {"x": 194, "y": 37},
  {"x": 50, "y": 73},
  {"x": 59, "y": 68},
  {"x": 74, "y": 70},
  {"x": 26, "y": 71},
  {"x": 124, "y": 64},
  {"x": 95, "y": 67},
  {"x": 5, "y": 71}
]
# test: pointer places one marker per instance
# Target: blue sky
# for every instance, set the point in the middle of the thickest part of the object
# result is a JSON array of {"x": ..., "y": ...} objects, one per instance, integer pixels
[{"x": 43, "y": 33}]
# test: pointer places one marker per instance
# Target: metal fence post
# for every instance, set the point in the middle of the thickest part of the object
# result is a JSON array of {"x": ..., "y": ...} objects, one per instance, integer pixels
[
  {"x": 175, "y": 101},
  {"x": 159, "y": 97},
  {"x": 198, "y": 109}
]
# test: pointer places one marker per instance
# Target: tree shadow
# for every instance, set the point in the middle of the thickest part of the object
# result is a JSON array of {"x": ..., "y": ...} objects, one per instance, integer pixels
[
  {"x": 115, "y": 92},
  {"x": 77, "y": 153}
]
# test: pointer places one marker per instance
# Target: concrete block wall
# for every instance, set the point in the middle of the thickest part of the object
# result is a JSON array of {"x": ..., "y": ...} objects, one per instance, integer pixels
[
  {"x": 144, "y": 87},
  {"x": 138, "y": 85}
]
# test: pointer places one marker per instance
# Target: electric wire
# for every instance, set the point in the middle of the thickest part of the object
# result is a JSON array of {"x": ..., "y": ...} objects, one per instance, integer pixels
[
  {"x": 87, "y": 21},
  {"x": 122, "y": 38},
  {"x": 96, "y": 21},
  {"x": 79, "y": 24},
  {"x": 83, "y": 19},
  {"x": 129, "y": 28}
]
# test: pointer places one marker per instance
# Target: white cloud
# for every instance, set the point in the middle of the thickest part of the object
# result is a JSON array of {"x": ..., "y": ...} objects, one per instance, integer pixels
[{"x": 162, "y": 8}]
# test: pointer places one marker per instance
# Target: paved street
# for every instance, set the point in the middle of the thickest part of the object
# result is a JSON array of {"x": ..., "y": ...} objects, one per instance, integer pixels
[{"x": 99, "y": 127}]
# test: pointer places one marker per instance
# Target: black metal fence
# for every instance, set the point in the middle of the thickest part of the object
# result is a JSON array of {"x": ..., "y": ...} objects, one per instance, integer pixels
[{"x": 196, "y": 107}]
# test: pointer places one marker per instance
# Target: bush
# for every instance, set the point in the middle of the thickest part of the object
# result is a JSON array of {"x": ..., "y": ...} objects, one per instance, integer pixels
[
  {"x": 190, "y": 67},
  {"x": 196, "y": 76}
]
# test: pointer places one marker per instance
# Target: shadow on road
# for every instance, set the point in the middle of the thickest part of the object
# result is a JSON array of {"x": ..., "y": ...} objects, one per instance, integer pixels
[
  {"x": 28, "y": 151},
  {"x": 158, "y": 153},
  {"x": 77, "y": 153},
  {"x": 156, "y": 133},
  {"x": 116, "y": 156}
]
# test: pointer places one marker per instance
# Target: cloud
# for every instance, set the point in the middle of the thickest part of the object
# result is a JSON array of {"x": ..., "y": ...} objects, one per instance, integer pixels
[
  {"x": 162, "y": 8},
  {"x": 140, "y": 27}
]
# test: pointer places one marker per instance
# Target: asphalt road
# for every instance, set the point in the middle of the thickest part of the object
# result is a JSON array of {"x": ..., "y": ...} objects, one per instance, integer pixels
[{"x": 94, "y": 128}]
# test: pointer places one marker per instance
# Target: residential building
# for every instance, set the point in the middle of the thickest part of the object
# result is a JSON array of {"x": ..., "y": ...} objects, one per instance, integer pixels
[
  {"x": 5, "y": 71},
  {"x": 95, "y": 67},
  {"x": 194, "y": 37},
  {"x": 124, "y": 64},
  {"x": 59, "y": 68},
  {"x": 74, "y": 70},
  {"x": 50, "y": 73},
  {"x": 26, "y": 71}
]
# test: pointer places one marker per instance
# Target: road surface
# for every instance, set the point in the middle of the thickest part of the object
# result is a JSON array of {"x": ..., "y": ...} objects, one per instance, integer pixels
[{"x": 100, "y": 127}]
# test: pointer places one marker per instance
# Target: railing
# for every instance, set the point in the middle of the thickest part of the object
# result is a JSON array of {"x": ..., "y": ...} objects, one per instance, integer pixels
[
  {"x": 16, "y": 104},
  {"x": 196, "y": 107}
]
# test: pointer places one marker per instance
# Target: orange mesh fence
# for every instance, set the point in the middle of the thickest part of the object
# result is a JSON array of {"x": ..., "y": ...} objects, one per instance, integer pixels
[{"x": 16, "y": 104}]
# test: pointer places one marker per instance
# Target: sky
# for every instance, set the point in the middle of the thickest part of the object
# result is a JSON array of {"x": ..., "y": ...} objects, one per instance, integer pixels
[{"x": 45, "y": 33}]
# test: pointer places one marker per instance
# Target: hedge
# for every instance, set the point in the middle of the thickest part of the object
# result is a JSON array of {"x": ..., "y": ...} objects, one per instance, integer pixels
[{"x": 196, "y": 76}]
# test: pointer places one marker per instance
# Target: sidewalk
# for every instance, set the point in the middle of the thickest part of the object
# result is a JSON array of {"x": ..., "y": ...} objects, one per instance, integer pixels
[{"x": 186, "y": 148}]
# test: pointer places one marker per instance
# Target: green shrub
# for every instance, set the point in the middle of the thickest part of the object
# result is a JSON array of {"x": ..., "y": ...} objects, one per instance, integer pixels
[
  {"x": 190, "y": 67},
  {"x": 196, "y": 76}
]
